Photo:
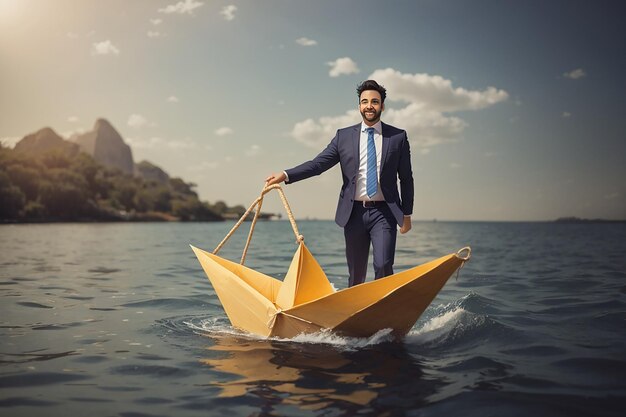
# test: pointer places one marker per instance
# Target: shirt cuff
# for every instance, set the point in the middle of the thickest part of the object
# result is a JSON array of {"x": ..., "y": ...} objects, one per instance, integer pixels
[{"x": 286, "y": 177}]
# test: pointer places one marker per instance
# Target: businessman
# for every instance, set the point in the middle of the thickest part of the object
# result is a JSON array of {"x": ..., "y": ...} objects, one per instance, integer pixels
[{"x": 373, "y": 156}]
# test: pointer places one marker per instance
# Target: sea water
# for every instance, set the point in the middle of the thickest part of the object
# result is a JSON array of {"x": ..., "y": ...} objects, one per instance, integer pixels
[{"x": 120, "y": 320}]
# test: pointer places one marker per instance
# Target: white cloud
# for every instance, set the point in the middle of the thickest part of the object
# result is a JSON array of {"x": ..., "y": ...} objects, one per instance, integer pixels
[
  {"x": 425, "y": 116},
  {"x": 182, "y": 7},
  {"x": 306, "y": 41},
  {"x": 318, "y": 133},
  {"x": 612, "y": 196},
  {"x": 173, "y": 99},
  {"x": 253, "y": 150},
  {"x": 137, "y": 121},
  {"x": 104, "y": 48},
  {"x": 9, "y": 141},
  {"x": 425, "y": 127},
  {"x": 155, "y": 34},
  {"x": 72, "y": 35},
  {"x": 566, "y": 114},
  {"x": 342, "y": 66},
  {"x": 156, "y": 22},
  {"x": 223, "y": 131},
  {"x": 72, "y": 119},
  {"x": 228, "y": 12},
  {"x": 72, "y": 135},
  {"x": 455, "y": 165},
  {"x": 434, "y": 91},
  {"x": 575, "y": 74}
]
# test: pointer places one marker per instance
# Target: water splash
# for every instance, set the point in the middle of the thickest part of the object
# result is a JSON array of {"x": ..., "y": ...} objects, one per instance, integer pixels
[
  {"x": 219, "y": 326},
  {"x": 327, "y": 337},
  {"x": 437, "y": 327}
]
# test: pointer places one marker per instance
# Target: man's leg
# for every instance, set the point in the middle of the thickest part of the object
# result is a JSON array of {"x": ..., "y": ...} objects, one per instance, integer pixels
[
  {"x": 383, "y": 232},
  {"x": 357, "y": 246}
]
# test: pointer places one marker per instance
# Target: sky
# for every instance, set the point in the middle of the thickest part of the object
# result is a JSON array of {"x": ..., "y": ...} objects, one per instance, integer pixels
[{"x": 515, "y": 110}]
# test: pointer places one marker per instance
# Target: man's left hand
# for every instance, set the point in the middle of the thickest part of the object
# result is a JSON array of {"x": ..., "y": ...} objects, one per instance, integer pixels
[{"x": 406, "y": 225}]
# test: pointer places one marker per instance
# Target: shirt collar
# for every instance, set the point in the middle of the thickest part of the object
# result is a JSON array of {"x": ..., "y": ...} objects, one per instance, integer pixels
[{"x": 378, "y": 127}]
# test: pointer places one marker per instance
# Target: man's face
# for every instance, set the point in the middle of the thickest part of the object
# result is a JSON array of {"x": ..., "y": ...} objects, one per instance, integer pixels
[{"x": 371, "y": 106}]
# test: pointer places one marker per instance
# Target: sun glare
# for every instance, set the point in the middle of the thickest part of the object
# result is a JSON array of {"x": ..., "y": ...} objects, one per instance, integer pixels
[{"x": 10, "y": 11}]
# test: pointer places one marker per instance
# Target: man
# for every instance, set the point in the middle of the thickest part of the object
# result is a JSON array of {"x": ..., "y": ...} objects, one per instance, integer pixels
[{"x": 372, "y": 156}]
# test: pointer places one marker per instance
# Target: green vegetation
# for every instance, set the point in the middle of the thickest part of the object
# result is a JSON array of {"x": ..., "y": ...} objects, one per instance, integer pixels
[{"x": 58, "y": 186}]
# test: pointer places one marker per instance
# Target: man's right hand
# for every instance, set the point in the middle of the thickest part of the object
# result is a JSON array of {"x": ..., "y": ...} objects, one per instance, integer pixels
[{"x": 275, "y": 178}]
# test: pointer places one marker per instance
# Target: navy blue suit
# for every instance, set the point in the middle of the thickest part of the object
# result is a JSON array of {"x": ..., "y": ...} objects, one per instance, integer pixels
[{"x": 395, "y": 165}]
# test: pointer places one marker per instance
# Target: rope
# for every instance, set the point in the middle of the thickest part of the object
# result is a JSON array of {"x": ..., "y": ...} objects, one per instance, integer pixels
[
  {"x": 463, "y": 259},
  {"x": 256, "y": 216},
  {"x": 258, "y": 203}
]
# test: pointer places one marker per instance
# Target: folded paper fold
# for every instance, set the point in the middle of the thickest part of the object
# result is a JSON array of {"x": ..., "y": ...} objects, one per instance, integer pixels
[{"x": 305, "y": 301}]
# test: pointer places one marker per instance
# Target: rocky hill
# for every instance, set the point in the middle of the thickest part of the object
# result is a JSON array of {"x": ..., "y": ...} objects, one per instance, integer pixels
[
  {"x": 107, "y": 147},
  {"x": 103, "y": 143},
  {"x": 45, "y": 140},
  {"x": 94, "y": 178},
  {"x": 149, "y": 171}
]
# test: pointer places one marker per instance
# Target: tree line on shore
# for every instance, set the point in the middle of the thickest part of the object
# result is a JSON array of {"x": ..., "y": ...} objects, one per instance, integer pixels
[{"x": 57, "y": 186}]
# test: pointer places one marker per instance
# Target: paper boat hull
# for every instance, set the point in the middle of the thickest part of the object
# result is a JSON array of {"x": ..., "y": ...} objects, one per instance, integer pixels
[{"x": 304, "y": 302}]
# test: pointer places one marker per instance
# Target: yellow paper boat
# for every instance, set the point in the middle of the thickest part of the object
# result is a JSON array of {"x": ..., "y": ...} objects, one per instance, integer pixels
[{"x": 305, "y": 301}]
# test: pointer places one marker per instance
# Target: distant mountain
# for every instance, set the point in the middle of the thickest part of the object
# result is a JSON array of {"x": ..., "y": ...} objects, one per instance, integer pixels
[
  {"x": 149, "y": 171},
  {"x": 107, "y": 147},
  {"x": 103, "y": 143},
  {"x": 45, "y": 140}
]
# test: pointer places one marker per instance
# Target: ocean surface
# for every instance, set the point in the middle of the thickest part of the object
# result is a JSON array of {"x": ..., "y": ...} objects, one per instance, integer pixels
[{"x": 120, "y": 320}]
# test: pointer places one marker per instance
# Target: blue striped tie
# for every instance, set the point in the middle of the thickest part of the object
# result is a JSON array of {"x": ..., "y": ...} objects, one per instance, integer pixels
[{"x": 371, "y": 184}]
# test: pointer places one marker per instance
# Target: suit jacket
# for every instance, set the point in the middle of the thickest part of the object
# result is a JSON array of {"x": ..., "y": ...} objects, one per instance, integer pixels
[{"x": 344, "y": 149}]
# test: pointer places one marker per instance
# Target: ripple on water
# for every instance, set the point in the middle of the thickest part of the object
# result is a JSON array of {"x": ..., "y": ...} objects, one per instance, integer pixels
[
  {"x": 31, "y": 379},
  {"x": 168, "y": 303},
  {"x": 597, "y": 372},
  {"x": 151, "y": 371},
  {"x": 33, "y": 357},
  {"x": 488, "y": 365},
  {"x": 103, "y": 270},
  {"x": 92, "y": 359},
  {"x": 536, "y": 350},
  {"x": 25, "y": 402},
  {"x": 32, "y": 304}
]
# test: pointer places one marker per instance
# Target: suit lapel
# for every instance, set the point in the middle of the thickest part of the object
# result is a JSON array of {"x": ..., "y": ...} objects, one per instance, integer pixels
[
  {"x": 383, "y": 156},
  {"x": 356, "y": 138}
]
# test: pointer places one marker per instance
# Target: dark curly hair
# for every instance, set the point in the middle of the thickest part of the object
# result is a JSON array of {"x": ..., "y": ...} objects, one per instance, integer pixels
[{"x": 371, "y": 85}]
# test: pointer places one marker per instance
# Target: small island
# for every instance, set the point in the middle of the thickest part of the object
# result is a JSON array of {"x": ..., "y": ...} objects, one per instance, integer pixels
[
  {"x": 93, "y": 177},
  {"x": 573, "y": 219}
]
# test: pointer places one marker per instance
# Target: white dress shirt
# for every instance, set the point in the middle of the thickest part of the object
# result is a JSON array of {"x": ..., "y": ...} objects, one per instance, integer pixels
[{"x": 361, "y": 179}]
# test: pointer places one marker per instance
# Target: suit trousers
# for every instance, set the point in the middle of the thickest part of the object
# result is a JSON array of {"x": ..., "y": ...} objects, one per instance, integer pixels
[{"x": 375, "y": 225}]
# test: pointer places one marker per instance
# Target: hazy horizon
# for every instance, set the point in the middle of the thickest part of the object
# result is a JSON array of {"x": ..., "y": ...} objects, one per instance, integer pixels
[{"x": 514, "y": 110}]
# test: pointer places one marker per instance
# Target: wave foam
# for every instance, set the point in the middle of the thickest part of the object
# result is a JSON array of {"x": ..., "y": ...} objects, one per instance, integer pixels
[
  {"x": 449, "y": 321},
  {"x": 436, "y": 327},
  {"x": 217, "y": 326}
]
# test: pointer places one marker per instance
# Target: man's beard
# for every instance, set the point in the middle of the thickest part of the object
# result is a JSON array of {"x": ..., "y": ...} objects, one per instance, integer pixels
[{"x": 373, "y": 118}]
